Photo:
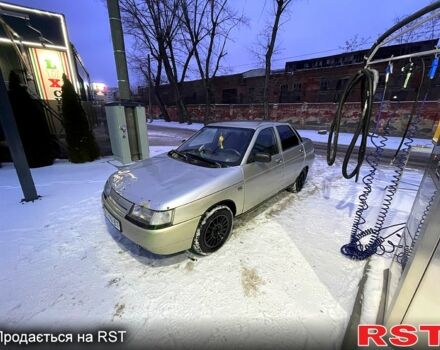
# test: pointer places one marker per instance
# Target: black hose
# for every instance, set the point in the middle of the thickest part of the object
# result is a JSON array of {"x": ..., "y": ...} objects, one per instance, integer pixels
[
  {"x": 355, "y": 248},
  {"x": 414, "y": 109},
  {"x": 364, "y": 77}
]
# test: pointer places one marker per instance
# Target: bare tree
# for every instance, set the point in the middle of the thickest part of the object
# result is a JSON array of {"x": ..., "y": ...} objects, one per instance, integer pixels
[
  {"x": 182, "y": 37},
  {"x": 269, "y": 41},
  {"x": 156, "y": 24},
  {"x": 208, "y": 24},
  {"x": 356, "y": 42},
  {"x": 152, "y": 79},
  {"x": 426, "y": 31}
]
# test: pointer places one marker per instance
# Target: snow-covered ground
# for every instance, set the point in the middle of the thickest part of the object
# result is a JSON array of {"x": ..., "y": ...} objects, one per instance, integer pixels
[
  {"x": 280, "y": 279},
  {"x": 424, "y": 145}
]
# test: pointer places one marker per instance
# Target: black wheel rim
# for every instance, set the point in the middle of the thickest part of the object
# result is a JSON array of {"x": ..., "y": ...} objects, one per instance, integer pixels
[
  {"x": 216, "y": 232},
  {"x": 301, "y": 180}
]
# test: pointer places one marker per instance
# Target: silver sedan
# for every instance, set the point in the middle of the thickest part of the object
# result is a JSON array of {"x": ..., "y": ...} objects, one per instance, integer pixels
[{"x": 188, "y": 198}]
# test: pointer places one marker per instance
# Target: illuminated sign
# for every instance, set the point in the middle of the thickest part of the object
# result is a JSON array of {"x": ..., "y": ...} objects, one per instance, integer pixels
[
  {"x": 100, "y": 88},
  {"x": 49, "y": 67},
  {"x": 50, "y": 26}
]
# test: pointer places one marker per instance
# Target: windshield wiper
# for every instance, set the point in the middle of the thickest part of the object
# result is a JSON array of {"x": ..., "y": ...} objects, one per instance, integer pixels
[
  {"x": 200, "y": 158},
  {"x": 177, "y": 153}
]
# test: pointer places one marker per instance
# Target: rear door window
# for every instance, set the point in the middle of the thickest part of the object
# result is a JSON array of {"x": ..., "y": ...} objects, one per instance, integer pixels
[{"x": 288, "y": 137}]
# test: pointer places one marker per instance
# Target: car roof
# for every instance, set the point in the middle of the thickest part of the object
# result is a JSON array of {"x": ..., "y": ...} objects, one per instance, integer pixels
[{"x": 247, "y": 124}]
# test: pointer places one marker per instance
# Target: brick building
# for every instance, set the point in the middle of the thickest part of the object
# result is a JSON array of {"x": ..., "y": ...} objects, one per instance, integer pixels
[
  {"x": 240, "y": 88},
  {"x": 323, "y": 79},
  {"x": 313, "y": 80},
  {"x": 306, "y": 91}
]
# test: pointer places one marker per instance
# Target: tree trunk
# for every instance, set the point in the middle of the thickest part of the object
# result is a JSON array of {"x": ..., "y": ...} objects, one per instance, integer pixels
[
  {"x": 157, "y": 81},
  {"x": 181, "y": 109},
  {"x": 207, "y": 116},
  {"x": 266, "y": 90},
  {"x": 163, "y": 109},
  {"x": 270, "y": 48}
]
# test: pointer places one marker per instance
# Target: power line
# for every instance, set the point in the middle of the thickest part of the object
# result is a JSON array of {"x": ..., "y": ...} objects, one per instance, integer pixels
[
  {"x": 286, "y": 58},
  {"x": 319, "y": 52}
]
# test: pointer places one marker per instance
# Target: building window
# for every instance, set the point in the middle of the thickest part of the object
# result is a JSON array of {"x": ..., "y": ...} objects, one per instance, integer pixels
[
  {"x": 358, "y": 57},
  {"x": 251, "y": 95},
  {"x": 348, "y": 59},
  {"x": 297, "y": 86},
  {"x": 229, "y": 96},
  {"x": 341, "y": 83},
  {"x": 324, "y": 85},
  {"x": 284, "y": 93}
]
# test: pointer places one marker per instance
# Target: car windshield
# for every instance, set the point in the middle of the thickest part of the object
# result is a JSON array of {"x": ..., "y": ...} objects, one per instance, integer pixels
[{"x": 216, "y": 146}]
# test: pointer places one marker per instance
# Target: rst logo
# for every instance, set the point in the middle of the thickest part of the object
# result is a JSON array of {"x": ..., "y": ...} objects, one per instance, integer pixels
[{"x": 402, "y": 335}]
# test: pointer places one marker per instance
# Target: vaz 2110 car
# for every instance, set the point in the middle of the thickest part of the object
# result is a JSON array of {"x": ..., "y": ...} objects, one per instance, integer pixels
[{"x": 188, "y": 198}]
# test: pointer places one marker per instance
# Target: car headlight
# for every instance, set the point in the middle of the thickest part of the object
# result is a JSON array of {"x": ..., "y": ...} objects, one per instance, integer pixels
[
  {"x": 107, "y": 188},
  {"x": 150, "y": 218}
]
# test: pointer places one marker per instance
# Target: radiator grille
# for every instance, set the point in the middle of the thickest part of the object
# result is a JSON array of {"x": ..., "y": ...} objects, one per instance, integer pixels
[{"x": 123, "y": 204}]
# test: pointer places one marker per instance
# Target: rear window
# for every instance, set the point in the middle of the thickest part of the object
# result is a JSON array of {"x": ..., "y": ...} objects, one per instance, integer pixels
[{"x": 288, "y": 137}]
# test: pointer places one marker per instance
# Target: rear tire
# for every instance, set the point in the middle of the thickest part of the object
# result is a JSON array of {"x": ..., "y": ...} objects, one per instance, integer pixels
[
  {"x": 299, "y": 183},
  {"x": 213, "y": 231}
]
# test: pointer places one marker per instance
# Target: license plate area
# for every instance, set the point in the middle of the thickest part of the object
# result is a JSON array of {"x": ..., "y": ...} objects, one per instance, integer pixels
[{"x": 115, "y": 222}]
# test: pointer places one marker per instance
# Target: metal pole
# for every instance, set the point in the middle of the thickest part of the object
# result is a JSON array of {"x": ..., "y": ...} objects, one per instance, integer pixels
[
  {"x": 119, "y": 49},
  {"x": 9, "y": 126},
  {"x": 149, "y": 89},
  {"x": 403, "y": 57},
  {"x": 114, "y": 14}
]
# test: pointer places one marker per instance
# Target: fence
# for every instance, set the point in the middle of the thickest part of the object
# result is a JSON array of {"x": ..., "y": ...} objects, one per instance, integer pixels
[{"x": 317, "y": 115}]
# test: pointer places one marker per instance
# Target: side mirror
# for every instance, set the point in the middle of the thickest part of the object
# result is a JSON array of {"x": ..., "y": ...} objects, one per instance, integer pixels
[{"x": 262, "y": 157}]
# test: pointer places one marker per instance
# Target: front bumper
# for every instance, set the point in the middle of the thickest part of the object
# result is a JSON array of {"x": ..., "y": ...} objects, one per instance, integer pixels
[{"x": 168, "y": 240}]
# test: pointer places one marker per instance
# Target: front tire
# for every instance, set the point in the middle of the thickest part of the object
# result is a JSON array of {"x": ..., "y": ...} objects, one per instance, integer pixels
[{"x": 213, "y": 231}]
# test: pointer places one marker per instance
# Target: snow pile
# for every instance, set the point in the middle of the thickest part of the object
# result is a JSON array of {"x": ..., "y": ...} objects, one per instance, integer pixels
[
  {"x": 177, "y": 125},
  {"x": 345, "y": 138},
  {"x": 373, "y": 289},
  {"x": 280, "y": 279}
]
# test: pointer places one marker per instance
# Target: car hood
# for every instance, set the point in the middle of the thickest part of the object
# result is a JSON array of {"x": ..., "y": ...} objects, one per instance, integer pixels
[{"x": 162, "y": 183}]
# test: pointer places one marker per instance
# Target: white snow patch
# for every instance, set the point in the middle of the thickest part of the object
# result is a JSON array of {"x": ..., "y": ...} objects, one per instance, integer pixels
[
  {"x": 422, "y": 145},
  {"x": 176, "y": 125},
  {"x": 373, "y": 289}
]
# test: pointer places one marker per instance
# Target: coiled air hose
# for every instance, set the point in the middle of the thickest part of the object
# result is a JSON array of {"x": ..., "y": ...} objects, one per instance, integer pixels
[
  {"x": 368, "y": 79},
  {"x": 376, "y": 244}
]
